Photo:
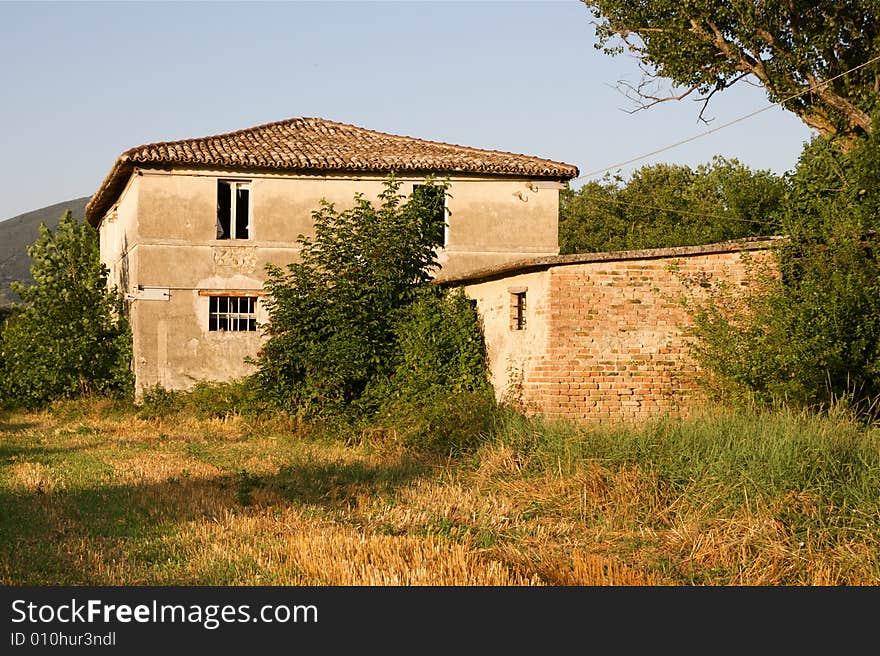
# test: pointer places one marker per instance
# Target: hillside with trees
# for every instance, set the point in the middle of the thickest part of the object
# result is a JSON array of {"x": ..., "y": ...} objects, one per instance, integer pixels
[{"x": 19, "y": 232}]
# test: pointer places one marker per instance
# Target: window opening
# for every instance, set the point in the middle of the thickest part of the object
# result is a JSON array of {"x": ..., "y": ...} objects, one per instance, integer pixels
[
  {"x": 436, "y": 197},
  {"x": 518, "y": 310},
  {"x": 232, "y": 313},
  {"x": 233, "y": 209}
]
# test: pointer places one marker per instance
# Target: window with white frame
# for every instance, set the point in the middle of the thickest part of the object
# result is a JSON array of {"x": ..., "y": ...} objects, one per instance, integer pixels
[
  {"x": 436, "y": 198},
  {"x": 233, "y": 209},
  {"x": 232, "y": 313}
]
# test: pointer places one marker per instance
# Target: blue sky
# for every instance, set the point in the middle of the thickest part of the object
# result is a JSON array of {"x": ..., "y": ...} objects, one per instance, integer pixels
[{"x": 85, "y": 81}]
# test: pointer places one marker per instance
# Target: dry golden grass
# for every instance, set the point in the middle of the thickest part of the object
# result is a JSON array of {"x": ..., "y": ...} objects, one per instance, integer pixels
[
  {"x": 126, "y": 501},
  {"x": 31, "y": 476}
]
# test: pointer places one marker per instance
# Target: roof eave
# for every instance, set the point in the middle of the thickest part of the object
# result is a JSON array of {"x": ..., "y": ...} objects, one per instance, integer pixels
[
  {"x": 109, "y": 191},
  {"x": 543, "y": 263}
]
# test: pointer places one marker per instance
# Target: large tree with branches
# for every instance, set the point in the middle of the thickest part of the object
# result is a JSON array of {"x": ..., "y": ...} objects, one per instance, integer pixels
[{"x": 818, "y": 58}]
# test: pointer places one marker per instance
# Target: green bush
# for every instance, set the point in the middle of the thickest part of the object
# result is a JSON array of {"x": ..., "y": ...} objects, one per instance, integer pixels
[
  {"x": 360, "y": 342},
  {"x": 71, "y": 337},
  {"x": 809, "y": 335},
  {"x": 332, "y": 314},
  {"x": 438, "y": 345},
  {"x": 207, "y": 400},
  {"x": 438, "y": 395},
  {"x": 158, "y": 403},
  {"x": 222, "y": 400},
  {"x": 442, "y": 422}
]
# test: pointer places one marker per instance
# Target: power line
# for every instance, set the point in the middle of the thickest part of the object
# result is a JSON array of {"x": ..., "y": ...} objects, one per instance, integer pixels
[
  {"x": 726, "y": 125},
  {"x": 674, "y": 211}
]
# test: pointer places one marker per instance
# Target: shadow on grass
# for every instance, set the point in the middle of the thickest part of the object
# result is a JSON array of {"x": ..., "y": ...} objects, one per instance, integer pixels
[
  {"x": 56, "y": 537},
  {"x": 337, "y": 483},
  {"x": 15, "y": 451},
  {"x": 9, "y": 427}
]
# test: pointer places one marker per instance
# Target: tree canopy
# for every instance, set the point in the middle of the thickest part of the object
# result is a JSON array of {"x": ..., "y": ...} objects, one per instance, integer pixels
[
  {"x": 70, "y": 336},
  {"x": 354, "y": 325},
  {"x": 665, "y": 205},
  {"x": 787, "y": 46}
]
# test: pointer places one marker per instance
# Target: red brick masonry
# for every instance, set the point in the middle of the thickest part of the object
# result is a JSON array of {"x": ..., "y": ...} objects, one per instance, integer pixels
[{"x": 615, "y": 345}]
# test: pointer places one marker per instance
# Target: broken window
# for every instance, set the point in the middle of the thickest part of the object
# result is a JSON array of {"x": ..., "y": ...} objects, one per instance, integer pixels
[
  {"x": 436, "y": 199},
  {"x": 234, "y": 313},
  {"x": 233, "y": 209},
  {"x": 518, "y": 309}
]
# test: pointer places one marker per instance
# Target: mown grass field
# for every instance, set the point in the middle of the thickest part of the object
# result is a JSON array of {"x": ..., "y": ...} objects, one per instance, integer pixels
[{"x": 92, "y": 494}]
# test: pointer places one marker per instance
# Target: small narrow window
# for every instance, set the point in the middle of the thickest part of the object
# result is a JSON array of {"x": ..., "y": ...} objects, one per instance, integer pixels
[
  {"x": 518, "y": 310},
  {"x": 436, "y": 199},
  {"x": 242, "y": 212},
  {"x": 224, "y": 198},
  {"x": 232, "y": 313},
  {"x": 233, "y": 209}
]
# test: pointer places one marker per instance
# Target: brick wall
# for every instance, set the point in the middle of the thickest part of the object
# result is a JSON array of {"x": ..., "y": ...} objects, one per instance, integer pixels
[{"x": 612, "y": 341}]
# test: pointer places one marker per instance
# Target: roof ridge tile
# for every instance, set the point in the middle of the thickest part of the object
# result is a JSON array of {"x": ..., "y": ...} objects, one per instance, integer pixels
[{"x": 317, "y": 144}]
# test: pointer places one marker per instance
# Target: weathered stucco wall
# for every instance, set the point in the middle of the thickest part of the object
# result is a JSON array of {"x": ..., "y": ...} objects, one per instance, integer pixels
[
  {"x": 118, "y": 233},
  {"x": 175, "y": 349},
  {"x": 161, "y": 235},
  {"x": 490, "y": 221},
  {"x": 513, "y": 354},
  {"x": 604, "y": 339}
]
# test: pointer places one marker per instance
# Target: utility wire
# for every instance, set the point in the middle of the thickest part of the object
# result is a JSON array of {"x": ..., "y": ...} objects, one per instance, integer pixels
[
  {"x": 728, "y": 124},
  {"x": 674, "y": 211}
]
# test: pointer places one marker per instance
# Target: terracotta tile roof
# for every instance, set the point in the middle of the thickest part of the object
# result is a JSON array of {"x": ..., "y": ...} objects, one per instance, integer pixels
[{"x": 315, "y": 144}]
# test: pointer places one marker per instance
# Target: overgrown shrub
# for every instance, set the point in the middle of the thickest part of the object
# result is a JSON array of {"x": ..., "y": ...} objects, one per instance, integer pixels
[
  {"x": 358, "y": 335},
  {"x": 440, "y": 421},
  {"x": 811, "y": 334},
  {"x": 438, "y": 395},
  {"x": 332, "y": 314},
  {"x": 71, "y": 337},
  {"x": 158, "y": 403},
  {"x": 438, "y": 345},
  {"x": 206, "y": 400}
]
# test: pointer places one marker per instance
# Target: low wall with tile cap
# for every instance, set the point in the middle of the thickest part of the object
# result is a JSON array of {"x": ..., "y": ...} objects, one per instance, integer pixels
[{"x": 605, "y": 333}]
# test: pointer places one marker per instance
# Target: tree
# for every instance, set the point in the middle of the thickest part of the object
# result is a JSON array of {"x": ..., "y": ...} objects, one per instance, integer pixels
[
  {"x": 789, "y": 47},
  {"x": 70, "y": 337},
  {"x": 7, "y": 312},
  {"x": 809, "y": 333},
  {"x": 332, "y": 315},
  {"x": 665, "y": 205}
]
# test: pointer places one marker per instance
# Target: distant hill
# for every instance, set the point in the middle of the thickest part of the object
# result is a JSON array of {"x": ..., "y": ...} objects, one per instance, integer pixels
[{"x": 19, "y": 232}]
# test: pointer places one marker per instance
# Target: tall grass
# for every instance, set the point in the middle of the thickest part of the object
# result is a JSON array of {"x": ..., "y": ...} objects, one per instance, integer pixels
[
  {"x": 755, "y": 452},
  {"x": 807, "y": 485},
  {"x": 96, "y": 492}
]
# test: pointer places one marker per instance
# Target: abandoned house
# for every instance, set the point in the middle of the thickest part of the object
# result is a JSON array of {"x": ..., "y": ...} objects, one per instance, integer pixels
[{"x": 186, "y": 227}]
